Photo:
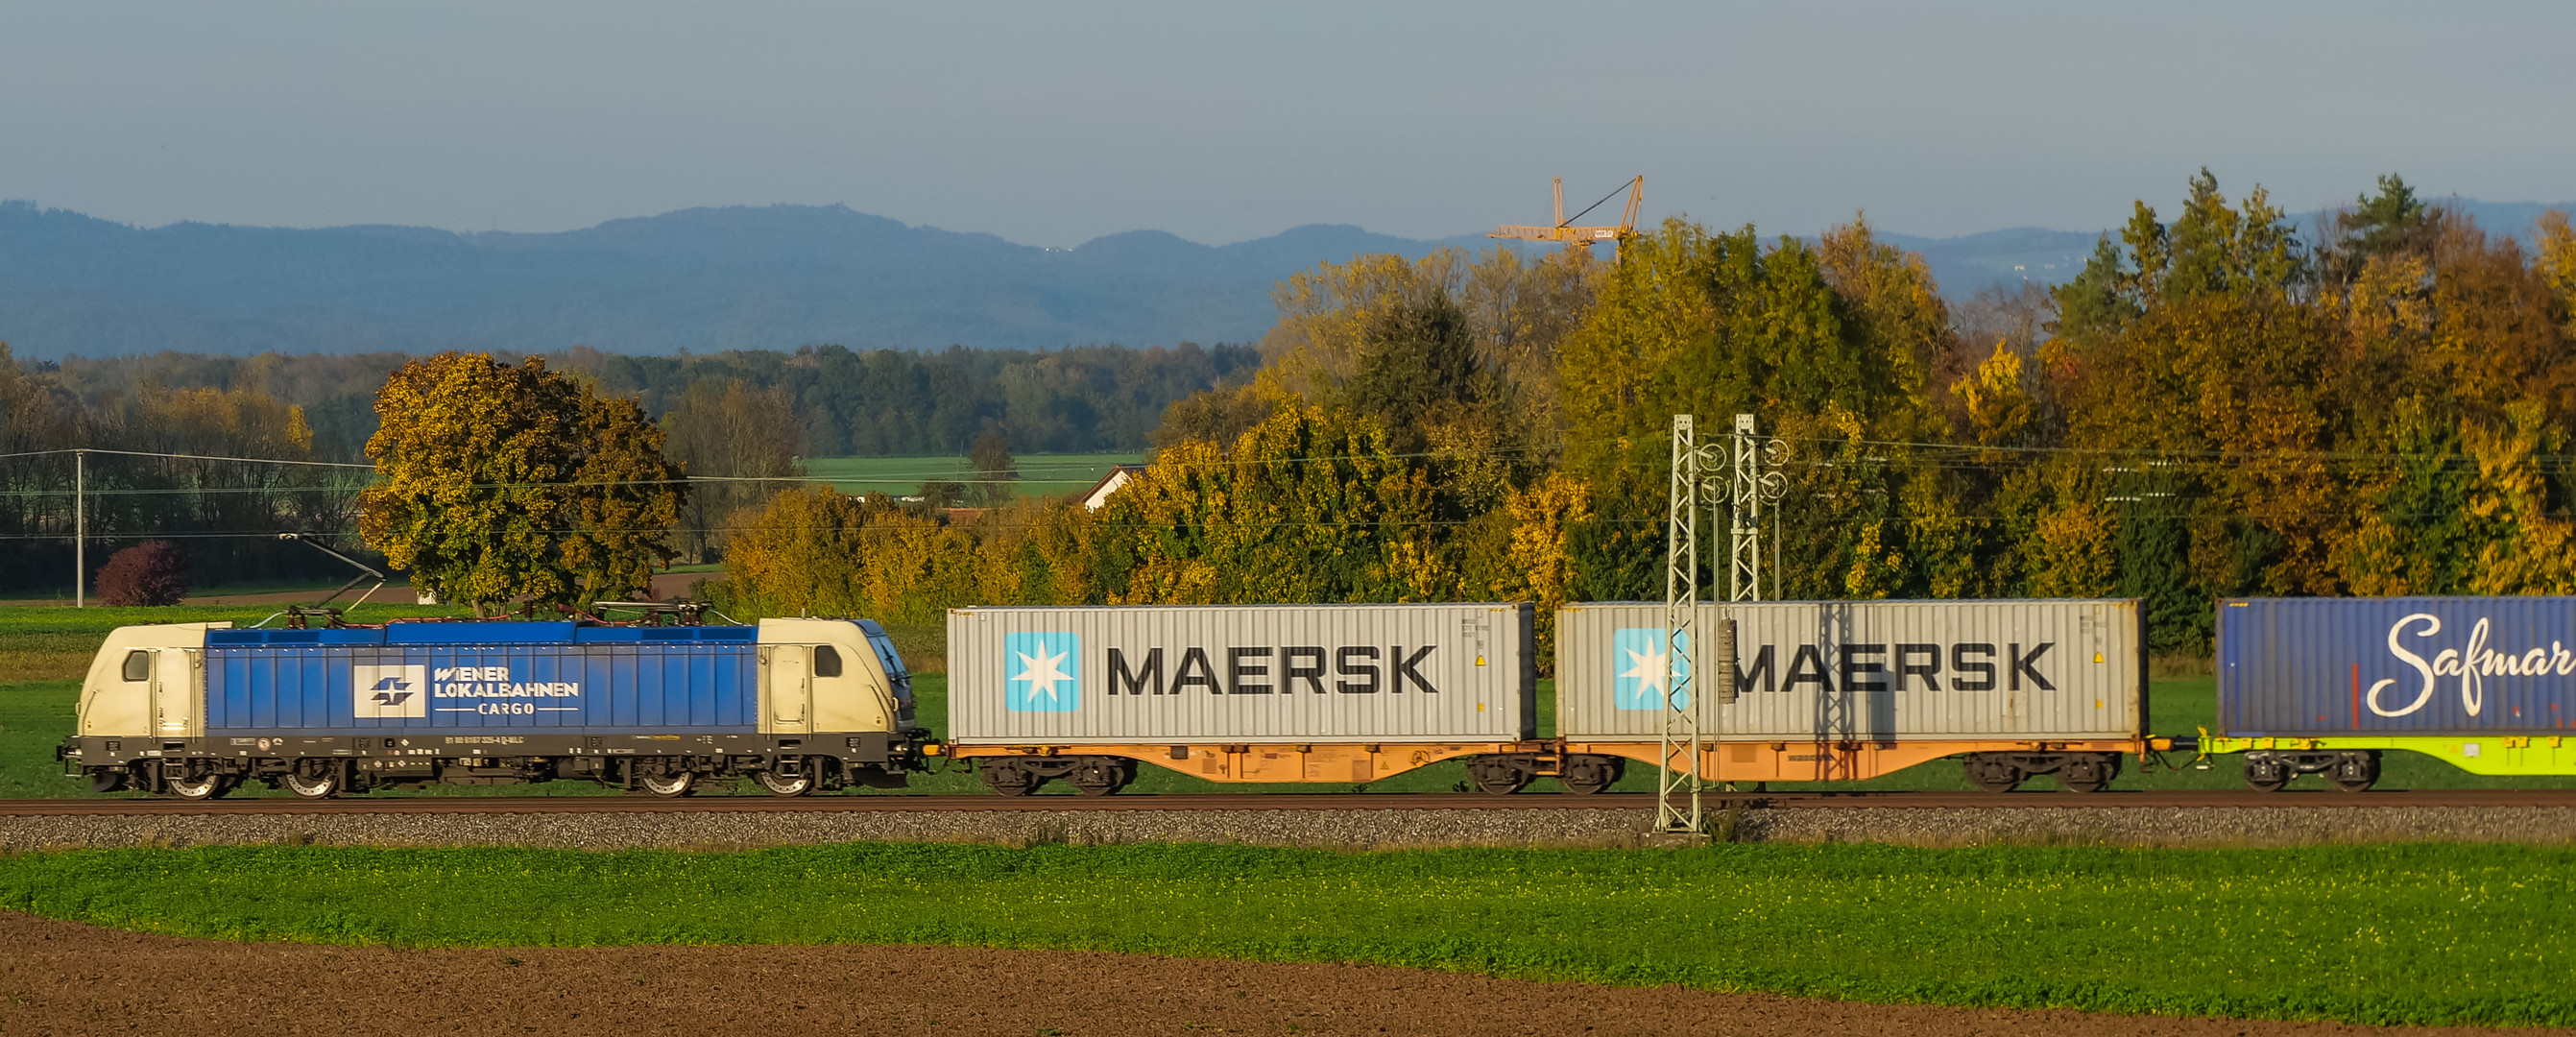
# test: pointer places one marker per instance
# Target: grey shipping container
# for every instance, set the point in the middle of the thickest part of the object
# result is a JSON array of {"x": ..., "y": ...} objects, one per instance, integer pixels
[
  {"x": 2322, "y": 667},
  {"x": 1863, "y": 671},
  {"x": 1241, "y": 673}
]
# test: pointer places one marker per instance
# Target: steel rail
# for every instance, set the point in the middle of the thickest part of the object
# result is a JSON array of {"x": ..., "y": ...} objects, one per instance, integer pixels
[{"x": 1642, "y": 802}]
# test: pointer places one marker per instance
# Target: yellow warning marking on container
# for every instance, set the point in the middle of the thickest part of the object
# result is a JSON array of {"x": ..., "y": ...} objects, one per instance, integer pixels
[{"x": 2097, "y": 657}]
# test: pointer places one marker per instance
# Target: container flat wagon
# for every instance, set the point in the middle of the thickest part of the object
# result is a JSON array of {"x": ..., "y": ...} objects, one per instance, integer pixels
[
  {"x": 1340, "y": 694},
  {"x": 1841, "y": 691},
  {"x": 2325, "y": 685},
  {"x": 196, "y": 709}
]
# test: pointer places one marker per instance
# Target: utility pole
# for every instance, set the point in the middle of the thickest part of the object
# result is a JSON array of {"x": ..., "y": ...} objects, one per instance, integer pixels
[
  {"x": 1756, "y": 481},
  {"x": 1681, "y": 607},
  {"x": 80, "y": 529},
  {"x": 1745, "y": 583},
  {"x": 1685, "y": 737}
]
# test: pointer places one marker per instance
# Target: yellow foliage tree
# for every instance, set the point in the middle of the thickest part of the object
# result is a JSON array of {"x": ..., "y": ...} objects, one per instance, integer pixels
[{"x": 497, "y": 483}]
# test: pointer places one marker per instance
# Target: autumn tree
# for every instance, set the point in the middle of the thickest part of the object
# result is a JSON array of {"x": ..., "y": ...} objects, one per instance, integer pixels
[{"x": 499, "y": 482}]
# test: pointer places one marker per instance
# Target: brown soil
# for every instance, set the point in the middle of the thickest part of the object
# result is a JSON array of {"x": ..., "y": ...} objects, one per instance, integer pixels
[{"x": 58, "y": 977}]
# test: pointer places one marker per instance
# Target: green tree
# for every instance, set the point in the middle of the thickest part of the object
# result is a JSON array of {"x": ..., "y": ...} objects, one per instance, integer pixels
[
  {"x": 1311, "y": 506},
  {"x": 500, "y": 482}
]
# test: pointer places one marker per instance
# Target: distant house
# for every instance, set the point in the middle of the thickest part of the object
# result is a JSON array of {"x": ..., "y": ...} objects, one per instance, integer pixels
[{"x": 1099, "y": 493}]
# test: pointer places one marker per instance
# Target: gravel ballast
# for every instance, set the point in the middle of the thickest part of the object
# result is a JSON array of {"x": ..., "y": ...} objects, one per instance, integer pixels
[{"x": 1342, "y": 829}]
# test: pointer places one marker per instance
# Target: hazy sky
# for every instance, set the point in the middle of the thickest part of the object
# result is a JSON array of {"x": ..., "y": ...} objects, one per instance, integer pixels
[{"x": 1053, "y": 123}]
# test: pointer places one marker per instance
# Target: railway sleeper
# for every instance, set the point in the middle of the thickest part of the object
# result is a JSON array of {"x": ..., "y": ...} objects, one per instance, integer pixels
[
  {"x": 2078, "y": 772},
  {"x": 2352, "y": 770}
]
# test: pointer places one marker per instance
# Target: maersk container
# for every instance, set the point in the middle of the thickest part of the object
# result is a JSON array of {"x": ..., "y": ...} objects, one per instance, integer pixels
[
  {"x": 477, "y": 676},
  {"x": 1858, "y": 671},
  {"x": 2321, "y": 667},
  {"x": 1241, "y": 673}
]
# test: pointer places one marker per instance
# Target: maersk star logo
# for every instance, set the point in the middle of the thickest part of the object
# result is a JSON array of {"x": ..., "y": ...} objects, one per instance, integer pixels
[
  {"x": 1040, "y": 672},
  {"x": 1644, "y": 668}
]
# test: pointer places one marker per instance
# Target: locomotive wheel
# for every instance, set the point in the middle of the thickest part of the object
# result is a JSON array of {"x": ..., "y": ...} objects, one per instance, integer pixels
[
  {"x": 322, "y": 784},
  {"x": 777, "y": 784},
  {"x": 207, "y": 787},
  {"x": 668, "y": 786},
  {"x": 2356, "y": 784},
  {"x": 1099, "y": 778}
]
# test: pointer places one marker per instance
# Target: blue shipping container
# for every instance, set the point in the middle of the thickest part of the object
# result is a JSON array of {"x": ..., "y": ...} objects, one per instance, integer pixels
[
  {"x": 2310, "y": 667},
  {"x": 483, "y": 676}
]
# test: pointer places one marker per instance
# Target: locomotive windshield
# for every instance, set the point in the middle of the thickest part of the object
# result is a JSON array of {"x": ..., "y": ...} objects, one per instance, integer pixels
[{"x": 884, "y": 645}]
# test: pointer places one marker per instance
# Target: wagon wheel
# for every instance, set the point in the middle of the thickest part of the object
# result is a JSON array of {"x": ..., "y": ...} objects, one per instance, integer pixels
[
  {"x": 1007, "y": 778},
  {"x": 1499, "y": 778},
  {"x": 2084, "y": 774},
  {"x": 1098, "y": 778},
  {"x": 2266, "y": 779},
  {"x": 2356, "y": 784},
  {"x": 1587, "y": 775},
  {"x": 1994, "y": 776}
]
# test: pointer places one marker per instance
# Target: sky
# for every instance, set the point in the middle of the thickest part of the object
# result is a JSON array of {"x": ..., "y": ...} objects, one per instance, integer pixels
[{"x": 1051, "y": 124}]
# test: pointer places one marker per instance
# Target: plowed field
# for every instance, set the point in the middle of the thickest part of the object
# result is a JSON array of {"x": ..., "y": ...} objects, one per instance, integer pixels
[{"x": 64, "y": 978}]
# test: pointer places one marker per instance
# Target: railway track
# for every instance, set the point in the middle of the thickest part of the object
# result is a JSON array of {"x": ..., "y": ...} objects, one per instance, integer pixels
[{"x": 611, "y": 804}]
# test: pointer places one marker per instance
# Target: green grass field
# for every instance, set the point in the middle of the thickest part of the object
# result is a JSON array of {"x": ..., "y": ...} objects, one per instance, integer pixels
[
  {"x": 1040, "y": 474},
  {"x": 2414, "y": 934}
]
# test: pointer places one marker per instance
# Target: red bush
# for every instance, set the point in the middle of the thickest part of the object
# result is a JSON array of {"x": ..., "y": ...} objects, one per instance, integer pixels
[{"x": 150, "y": 573}]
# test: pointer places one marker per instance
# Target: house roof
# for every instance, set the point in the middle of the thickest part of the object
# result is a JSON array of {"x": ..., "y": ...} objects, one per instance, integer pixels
[{"x": 1099, "y": 492}]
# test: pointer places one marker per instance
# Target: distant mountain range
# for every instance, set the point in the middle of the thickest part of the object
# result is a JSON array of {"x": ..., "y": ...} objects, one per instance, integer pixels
[{"x": 707, "y": 280}]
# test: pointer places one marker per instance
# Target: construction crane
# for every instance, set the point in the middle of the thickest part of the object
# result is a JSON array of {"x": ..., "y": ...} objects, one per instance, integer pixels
[{"x": 1580, "y": 237}]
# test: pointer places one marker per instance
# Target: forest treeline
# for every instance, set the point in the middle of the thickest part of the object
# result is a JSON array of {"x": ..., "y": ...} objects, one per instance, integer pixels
[
  {"x": 734, "y": 414},
  {"x": 877, "y": 403},
  {"x": 2215, "y": 407}
]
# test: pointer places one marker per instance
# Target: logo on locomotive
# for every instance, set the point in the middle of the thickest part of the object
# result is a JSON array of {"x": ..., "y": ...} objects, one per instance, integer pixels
[
  {"x": 388, "y": 692},
  {"x": 1041, "y": 675},
  {"x": 1644, "y": 669}
]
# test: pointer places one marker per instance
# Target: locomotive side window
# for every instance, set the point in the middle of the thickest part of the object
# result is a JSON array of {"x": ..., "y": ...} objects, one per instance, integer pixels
[
  {"x": 827, "y": 662},
  {"x": 138, "y": 666}
]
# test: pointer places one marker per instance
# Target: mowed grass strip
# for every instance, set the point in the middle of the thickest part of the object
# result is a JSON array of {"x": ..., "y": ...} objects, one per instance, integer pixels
[{"x": 2421, "y": 934}]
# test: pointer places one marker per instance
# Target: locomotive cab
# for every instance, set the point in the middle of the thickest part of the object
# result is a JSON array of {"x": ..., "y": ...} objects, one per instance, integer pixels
[
  {"x": 145, "y": 681},
  {"x": 832, "y": 675}
]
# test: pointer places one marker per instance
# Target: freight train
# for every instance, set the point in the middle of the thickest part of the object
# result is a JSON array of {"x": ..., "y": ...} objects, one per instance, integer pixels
[{"x": 1795, "y": 691}]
